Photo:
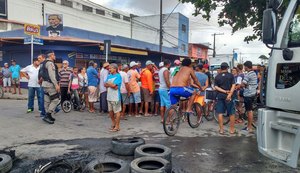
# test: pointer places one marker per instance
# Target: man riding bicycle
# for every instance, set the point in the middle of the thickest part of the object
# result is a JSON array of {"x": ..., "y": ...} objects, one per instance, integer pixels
[{"x": 181, "y": 82}]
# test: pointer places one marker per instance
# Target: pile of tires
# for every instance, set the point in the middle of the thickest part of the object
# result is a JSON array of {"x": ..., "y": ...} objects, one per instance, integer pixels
[{"x": 5, "y": 163}]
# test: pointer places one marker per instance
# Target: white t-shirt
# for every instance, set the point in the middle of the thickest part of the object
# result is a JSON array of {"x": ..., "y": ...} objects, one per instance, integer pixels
[
  {"x": 124, "y": 81},
  {"x": 33, "y": 74},
  {"x": 103, "y": 77},
  {"x": 83, "y": 80}
]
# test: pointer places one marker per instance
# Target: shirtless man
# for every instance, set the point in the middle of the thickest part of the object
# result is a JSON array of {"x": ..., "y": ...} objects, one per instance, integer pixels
[{"x": 180, "y": 86}]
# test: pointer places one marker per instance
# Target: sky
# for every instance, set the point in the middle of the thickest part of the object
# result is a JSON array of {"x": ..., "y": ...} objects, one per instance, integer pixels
[{"x": 200, "y": 30}]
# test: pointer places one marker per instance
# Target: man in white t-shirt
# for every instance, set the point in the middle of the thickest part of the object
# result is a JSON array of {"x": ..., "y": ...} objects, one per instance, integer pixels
[
  {"x": 125, "y": 93},
  {"x": 31, "y": 72}
]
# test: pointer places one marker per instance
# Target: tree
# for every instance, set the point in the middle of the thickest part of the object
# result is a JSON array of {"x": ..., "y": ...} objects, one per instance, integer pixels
[
  {"x": 263, "y": 57},
  {"x": 238, "y": 14}
]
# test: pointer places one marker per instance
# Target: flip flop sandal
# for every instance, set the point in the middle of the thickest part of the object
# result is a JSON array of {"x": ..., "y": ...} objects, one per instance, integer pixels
[
  {"x": 234, "y": 132},
  {"x": 112, "y": 127},
  {"x": 114, "y": 130},
  {"x": 221, "y": 132}
]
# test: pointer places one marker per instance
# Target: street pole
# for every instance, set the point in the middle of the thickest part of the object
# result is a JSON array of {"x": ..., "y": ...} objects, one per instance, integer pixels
[
  {"x": 214, "y": 48},
  {"x": 106, "y": 53},
  {"x": 160, "y": 32},
  {"x": 31, "y": 49}
]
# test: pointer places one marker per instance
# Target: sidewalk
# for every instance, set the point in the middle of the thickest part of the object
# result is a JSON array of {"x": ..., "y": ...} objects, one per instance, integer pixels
[{"x": 24, "y": 95}]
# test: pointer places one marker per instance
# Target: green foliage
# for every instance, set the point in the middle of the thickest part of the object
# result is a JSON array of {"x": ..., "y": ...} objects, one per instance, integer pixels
[
  {"x": 238, "y": 14},
  {"x": 263, "y": 57}
]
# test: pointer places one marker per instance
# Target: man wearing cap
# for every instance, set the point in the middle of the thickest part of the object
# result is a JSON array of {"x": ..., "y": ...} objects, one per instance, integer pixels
[
  {"x": 134, "y": 88},
  {"x": 113, "y": 85},
  {"x": 50, "y": 86},
  {"x": 64, "y": 74},
  {"x": 15, "y": 76},
  {"x": 6, "y": 78},
  {"x": 31, "y": 72},
  {"x": 103, "y": 90},
  {"x": 249, "y": 84},
  {"x": 125, "y": 93},
  {"x": 225, "y": 86},
  {"x": 147, "y": 85}
]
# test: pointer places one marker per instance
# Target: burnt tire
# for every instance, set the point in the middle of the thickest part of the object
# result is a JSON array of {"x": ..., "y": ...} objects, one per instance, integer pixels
[
  {"x": 126, "y": 146},
  {"x": 150, "y": 165},
  {"x": 153, "y": 150},
  {"x": 5, "y": 163},
  {"x": 107, "y": 164}
]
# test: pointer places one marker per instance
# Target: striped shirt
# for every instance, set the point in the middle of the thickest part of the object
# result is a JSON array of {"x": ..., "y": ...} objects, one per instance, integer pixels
[
  {"x": 250, "y": 80},
  {"x": 65, "y": 77},
  {"x": 156, "y": 79}
]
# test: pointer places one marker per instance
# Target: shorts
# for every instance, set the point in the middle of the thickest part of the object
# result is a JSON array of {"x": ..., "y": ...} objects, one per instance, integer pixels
[
  {"x": 125, "y": 98},
  {"x": 200, "y": 100},
  {"x": 224, "y": 106},
  {"x": 93, "y": 94},
  {"x": 248, "y": 101},
  {"x": 83, "y": 90},
  {"x": 135, "y": 97},
  {"x": 157, "y": 97},
  {"x": 177, "y": 92},
  {"x": 146, "y": 95},
  {"x": 6, "y": 82},
  {"x": 114, "y": 106},
  {"x": 15, "y": 81},
  {"x": 164, "y": 98}
]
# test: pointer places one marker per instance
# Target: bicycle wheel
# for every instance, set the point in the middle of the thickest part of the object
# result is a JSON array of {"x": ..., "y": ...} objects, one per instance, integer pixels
[
  {"x": 195, "y": 118},
  {"x": 1, "y": 93},
  {"x": 226, "y": 118},
  {"x": 67, "y": 106},
  {"x": 209, "y": 111},
  {"x": 171, "y": 121}
]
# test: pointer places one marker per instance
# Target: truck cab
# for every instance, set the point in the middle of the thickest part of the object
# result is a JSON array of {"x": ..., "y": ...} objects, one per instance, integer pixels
[{"x": 278, "y": 131}]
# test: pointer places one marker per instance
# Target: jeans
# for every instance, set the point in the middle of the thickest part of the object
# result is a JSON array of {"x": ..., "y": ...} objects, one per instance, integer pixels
[
  {"x": 77, "y": 99},
  {"x": 31, "y": 94}
]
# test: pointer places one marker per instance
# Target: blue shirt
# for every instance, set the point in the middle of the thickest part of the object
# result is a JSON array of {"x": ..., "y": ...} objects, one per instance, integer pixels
[
  {"x": 202, "y": 78},
  {"x": 15, "y": 71},
  {"x": 92, "y": 75},
  {"x": 112, "y": 94}
]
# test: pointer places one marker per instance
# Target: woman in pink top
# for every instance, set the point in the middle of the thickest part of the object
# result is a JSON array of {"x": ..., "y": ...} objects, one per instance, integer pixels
[{"x": 74, "y": 87}]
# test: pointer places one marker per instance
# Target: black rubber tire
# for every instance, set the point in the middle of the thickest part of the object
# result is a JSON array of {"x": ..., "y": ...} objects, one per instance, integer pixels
[
  {"x": 209, "y": 111},
  {"x": 171, "y": 129},
  {"x": 150, "y": 165},
  {"x": 195, "y": 119},
  {"x": 66, "y": 106},
  {"x": 153, "y": 150},
  {"x": 107, "y": 164},
  {"x": 126, "y": 146},
  {"x": 5, "y": 163}
]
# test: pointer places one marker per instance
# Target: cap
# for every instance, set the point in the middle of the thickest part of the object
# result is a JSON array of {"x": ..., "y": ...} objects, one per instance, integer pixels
[
  {"x": 13, "y": 60},
  {"x": 177, "y": 62},
  {"x": 224, "y": 64},
  {"x": 124, "y": 66},
  {"x": 149, "y": 63},
  {"x": 6, "y": 63},
  {"x": 105, "y": 64},
  {"x": 133, "y": 63},
  {"x": 161, "y": 64},
  {"x": 206, "y": 66}
]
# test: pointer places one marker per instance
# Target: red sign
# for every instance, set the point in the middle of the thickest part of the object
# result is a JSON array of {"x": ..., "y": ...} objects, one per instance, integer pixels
[{"x": 32, "y": 29}]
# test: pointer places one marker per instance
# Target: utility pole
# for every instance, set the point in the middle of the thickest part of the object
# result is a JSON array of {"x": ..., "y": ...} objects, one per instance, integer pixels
[
  {"x": 160, "y": 31},
  {"x": 214, "y": 48},
  {"x": 43, "y": 13}
]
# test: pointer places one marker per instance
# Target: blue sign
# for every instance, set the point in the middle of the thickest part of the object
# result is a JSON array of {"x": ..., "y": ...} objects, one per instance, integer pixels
[
  {"x": 38, "y": 41},
  {"x": 235, "y": 56}
]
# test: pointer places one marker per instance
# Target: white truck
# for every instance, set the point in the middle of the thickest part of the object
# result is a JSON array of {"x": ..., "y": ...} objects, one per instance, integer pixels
[{"x": 278, "y": 131}]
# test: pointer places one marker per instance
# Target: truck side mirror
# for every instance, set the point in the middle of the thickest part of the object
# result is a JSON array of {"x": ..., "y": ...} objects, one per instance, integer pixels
[{"x": 269, "y": 27}]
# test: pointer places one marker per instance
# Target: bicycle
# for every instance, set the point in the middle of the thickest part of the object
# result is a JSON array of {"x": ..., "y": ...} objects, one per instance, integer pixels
[
  {"x": 68, "y": 105},
  {"x": 174, "y": 115}
]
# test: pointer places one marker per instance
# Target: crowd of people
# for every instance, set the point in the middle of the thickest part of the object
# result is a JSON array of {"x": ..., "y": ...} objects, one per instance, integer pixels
[{"x": 128, "y": 90}]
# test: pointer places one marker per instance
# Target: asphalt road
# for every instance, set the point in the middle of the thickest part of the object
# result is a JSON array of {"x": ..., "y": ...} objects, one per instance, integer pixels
[{"x": 81, "y": 137}]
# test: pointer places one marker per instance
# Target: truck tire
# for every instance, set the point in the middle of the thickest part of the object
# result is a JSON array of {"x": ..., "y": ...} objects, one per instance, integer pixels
[
  {"x": 126, "y": 146},
  {"x": 5, "y": 163},
  {"x": 150, "y": 165},
  {"x": 153, "y": 150},
  {"x": 107, "y": 164}
]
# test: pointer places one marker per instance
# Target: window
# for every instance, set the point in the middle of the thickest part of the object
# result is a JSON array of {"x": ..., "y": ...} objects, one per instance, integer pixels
[
  {"x": 3, "y": 26},
  {"x": 126, "y": 18},
  {"x": 183, "y": 28},
  {"x": 87, "y": 8},
  {"x": 183, "y": 47},
  {"x": 101, "y": 12},
  {"x": 67, "y": 3},
  {"x": 50, "y": 1},
  {"x": 115, "y": 15}
]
